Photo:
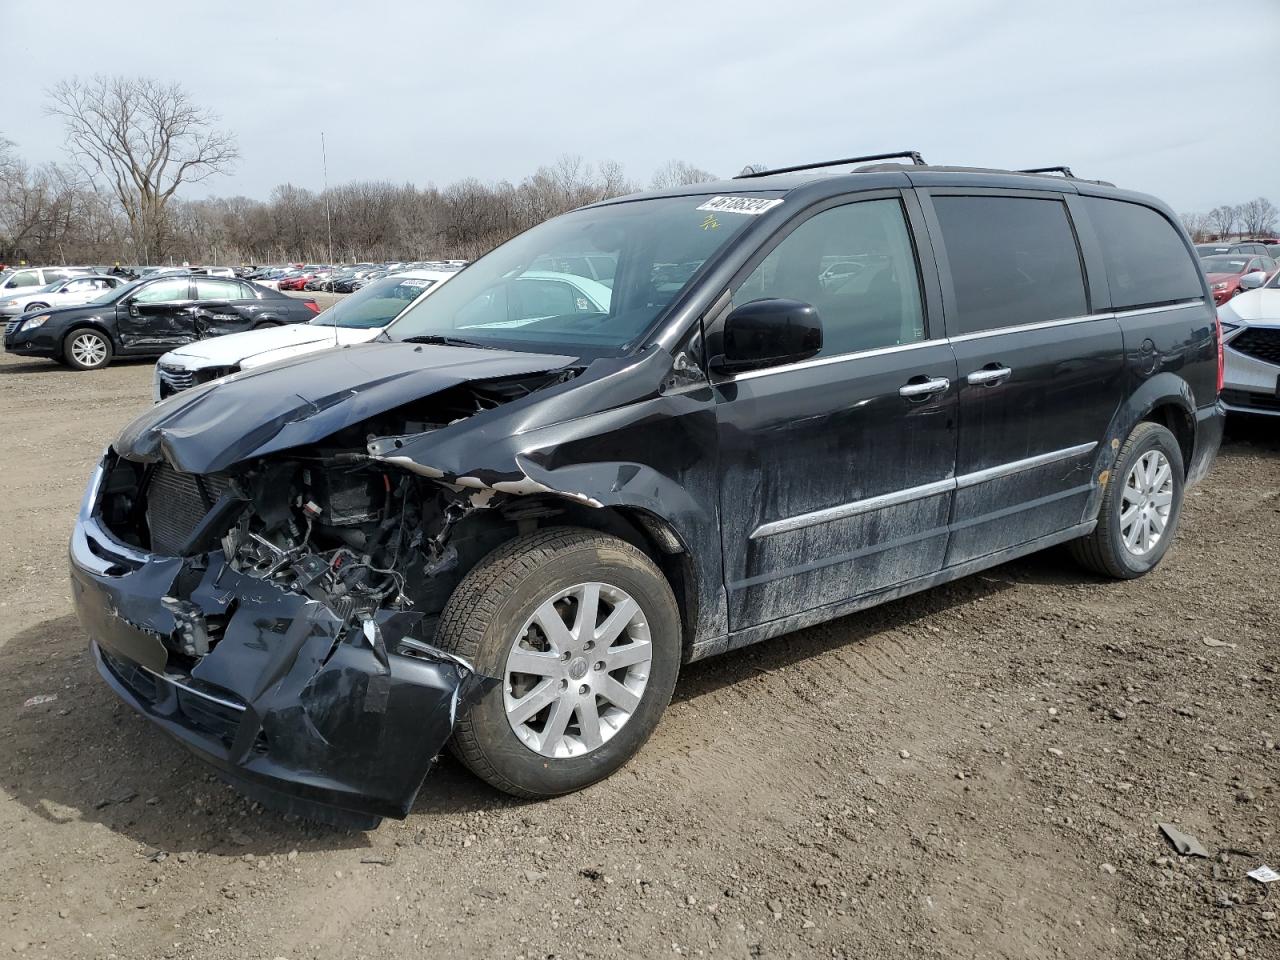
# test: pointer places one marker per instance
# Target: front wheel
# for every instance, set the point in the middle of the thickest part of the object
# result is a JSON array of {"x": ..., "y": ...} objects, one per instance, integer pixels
[
  {"x": 30, "y": 307},
  {"x": 1140, "y": 507},
  {"x": 583, "y": 634},
  {"x": 86, "y": 349}
]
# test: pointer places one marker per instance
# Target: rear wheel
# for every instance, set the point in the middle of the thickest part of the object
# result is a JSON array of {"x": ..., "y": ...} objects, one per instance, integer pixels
[
  {"x": 583, "y": 633},
  {"x": 85, "y": 349},
  {"x": 1140, "y": 507}
]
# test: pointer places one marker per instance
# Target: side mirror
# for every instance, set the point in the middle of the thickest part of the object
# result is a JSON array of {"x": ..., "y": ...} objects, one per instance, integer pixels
[
  {"x": 133, "y": 308},
  {"x": 768, "y": 333},
  {"x": 1252, "y": 281}
]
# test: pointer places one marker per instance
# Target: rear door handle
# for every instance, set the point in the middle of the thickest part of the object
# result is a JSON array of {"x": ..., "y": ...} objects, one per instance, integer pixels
[
  {"x": 925, "y": 388},
  {"x": 989, "y": 376}
]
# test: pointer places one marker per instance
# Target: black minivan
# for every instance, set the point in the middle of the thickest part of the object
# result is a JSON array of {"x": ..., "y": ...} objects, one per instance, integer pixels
[{"x": 507, "y": 522}]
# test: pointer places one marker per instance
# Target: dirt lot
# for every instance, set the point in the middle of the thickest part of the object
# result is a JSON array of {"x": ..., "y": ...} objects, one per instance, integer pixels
[{"x": 976, "y": 771}]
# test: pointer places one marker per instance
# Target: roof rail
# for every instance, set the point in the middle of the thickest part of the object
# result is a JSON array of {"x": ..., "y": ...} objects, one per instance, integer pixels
[
  {"x": 1065, "y": 171},
  {"x": 914, "y": 156}
]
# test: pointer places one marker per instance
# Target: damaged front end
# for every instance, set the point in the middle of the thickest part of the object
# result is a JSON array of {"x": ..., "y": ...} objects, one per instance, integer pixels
[{"x": 276, "y": 615}]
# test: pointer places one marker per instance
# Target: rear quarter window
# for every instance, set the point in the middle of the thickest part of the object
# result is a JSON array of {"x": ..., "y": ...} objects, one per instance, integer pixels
[{"x": 1147, "y": 262}]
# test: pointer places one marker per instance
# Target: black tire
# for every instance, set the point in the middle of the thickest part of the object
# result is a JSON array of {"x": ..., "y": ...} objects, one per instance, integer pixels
[
  {"x": 32, "y": 307},
  {"x": 265, "y": 324},
  {"x": 1104, "y": 550},
  {"x": 104, "y": 349},
  {"x": 481, "y": 623}
]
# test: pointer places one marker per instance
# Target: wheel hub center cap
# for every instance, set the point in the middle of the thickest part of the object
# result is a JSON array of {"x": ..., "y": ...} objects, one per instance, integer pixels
[{"x": 578, "y": 669}]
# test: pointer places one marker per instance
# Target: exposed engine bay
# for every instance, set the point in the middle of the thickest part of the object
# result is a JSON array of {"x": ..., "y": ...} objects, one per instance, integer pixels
[{"x": 329, "y": 522}]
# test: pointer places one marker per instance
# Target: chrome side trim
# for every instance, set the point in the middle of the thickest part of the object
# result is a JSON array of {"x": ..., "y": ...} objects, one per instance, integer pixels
[
  {"x": 1120, "y": 314},
  {"x": 1017, "y": 466},
  {"x": 853, "y": 509},
  {"x": 898, "y": 497},
  {"x": 840, "y": 358},
  {"x": 193, "y": 691},
  {"x": 1026, "y": 327}
]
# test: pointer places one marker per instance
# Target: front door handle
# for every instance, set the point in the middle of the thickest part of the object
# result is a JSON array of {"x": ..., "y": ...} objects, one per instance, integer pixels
[
  {"x": 989, "y": 376},
  {"x": 924, "y": 388}
]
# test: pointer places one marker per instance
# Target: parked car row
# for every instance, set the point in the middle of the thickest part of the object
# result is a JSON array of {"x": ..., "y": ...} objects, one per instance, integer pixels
[
  {"x": 148, "y": 316},
  {"x": 321, "y": 277},
  {"x": 1235, "y": 267}
]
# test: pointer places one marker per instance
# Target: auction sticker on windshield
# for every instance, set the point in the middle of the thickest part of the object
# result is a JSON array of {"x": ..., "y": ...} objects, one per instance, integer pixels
[
  {"x": 411, "y": 282},
  {"x": 751, "y": 206}
]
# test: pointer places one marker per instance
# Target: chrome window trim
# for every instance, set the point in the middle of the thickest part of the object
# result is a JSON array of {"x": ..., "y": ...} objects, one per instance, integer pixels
[
  {"x": 961, "y": 338},
  {"x": 1140, "y": 311},
  {"x": 909, "y": 494},
  {"x": 838, "y": 358},
  {"x": 1026, "y": 327},
  {"x": 1028, "y": 463}
]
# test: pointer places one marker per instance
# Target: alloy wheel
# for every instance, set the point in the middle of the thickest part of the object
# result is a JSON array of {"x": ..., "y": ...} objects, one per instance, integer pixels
[
  {"x": 1147, "y": 500},
  {"x": 577, "y": 670},
  {"x": 89, "y": 349}
]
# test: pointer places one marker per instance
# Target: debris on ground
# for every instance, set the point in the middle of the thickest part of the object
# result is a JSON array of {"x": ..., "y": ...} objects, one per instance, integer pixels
[
  {"x": 40, "y": 698},
  {"x": 1264, "y": 874},
  {"x": 1184, "y": 843}
]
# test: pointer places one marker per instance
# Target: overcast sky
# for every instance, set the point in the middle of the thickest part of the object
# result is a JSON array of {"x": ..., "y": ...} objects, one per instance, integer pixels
[{"x": 1173, "y": 97}]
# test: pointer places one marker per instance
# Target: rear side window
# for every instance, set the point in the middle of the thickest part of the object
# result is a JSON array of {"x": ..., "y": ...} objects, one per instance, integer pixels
[
  {"x": 1147, "y": 262},
  {"x": 1014, "y": 260}
]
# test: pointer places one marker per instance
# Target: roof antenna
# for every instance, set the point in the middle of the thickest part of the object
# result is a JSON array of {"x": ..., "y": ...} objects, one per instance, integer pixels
[{"x": 328, "y": 218}]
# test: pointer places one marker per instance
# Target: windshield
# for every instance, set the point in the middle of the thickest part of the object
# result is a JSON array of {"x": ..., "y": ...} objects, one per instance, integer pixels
[
  {"x": 1223, "y": 264},
  {"x": 527, "y": 295},
  {"x": 374, "y": 305},
  {"x": 51, "y": 287},
  {"x": 111, "y": 296},
  {"x": 1275, "y": 282}
]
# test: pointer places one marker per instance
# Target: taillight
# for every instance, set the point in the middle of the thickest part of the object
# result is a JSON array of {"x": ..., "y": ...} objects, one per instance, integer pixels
[
  {"x": 315, "y": 308},
  {"x": 1222, "y": 359}
]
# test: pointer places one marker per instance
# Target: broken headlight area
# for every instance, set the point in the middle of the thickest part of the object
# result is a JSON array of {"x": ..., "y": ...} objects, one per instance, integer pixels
[{"x": 332, "y": 526}]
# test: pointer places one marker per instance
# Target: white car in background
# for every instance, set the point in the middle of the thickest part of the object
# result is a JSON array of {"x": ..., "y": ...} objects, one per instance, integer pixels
[
  {"x": 357, "y": 318},
  {"x": 64, "y": 292},
  {"x": 1251, "y": 349}
]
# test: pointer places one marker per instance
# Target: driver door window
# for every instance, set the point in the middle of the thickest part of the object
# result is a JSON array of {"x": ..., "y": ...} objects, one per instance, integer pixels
[
  {"x": 856, "y": 265},
  {"x": 165, "y": 291}
]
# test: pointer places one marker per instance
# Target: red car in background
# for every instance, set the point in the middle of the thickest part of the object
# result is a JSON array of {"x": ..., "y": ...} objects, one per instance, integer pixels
[
  {"x": 296, "y": 281},
  {"x": 1226, "y": 273}
]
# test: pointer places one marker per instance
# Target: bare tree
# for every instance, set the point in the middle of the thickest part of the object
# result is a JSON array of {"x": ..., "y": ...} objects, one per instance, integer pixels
[
  {"x": 1258, "y": 217},
  {"x": 145, "y": 139},
  {"x": 678, "y": 173},
  {"x": 1196, "y": 224},
  {"x": 1222, "y": 220}
]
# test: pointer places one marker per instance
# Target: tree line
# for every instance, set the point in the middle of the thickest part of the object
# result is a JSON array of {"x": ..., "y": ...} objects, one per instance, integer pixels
[
  {"x": 1256, "y": 218},
  {"x": 134, "y": 143}
]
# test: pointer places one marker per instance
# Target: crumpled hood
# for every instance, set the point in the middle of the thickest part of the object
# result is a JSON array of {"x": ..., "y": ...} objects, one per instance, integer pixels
[{"x": 300, "y": 401}]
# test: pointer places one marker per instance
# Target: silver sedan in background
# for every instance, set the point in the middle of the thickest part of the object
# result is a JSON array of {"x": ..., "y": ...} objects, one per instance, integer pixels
[{"x": 1251, "y": 338}]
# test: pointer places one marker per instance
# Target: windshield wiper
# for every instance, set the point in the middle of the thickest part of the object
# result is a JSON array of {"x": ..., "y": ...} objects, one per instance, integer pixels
[{"x": 446, "y": 341}]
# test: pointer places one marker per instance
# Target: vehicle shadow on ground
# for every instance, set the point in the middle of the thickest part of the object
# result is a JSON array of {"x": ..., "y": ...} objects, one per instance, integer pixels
[
  {"x": 1052, "y": 567},
  {"x": 52, "y": 366},
  {"x": 1258, "y": 435}
]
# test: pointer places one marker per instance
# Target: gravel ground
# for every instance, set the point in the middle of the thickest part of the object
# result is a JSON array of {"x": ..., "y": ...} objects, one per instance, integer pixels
[{"x": 977, "y": 771}]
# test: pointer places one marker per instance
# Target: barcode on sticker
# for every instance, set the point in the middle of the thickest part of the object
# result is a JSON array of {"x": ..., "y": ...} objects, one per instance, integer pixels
[{"x": 751, "y": 206}]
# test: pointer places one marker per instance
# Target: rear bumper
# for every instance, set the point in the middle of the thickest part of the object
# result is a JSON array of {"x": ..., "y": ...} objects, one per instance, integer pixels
[
  {"x": 1209, "y": 424},
  {"x": 295, "y": 706}
]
